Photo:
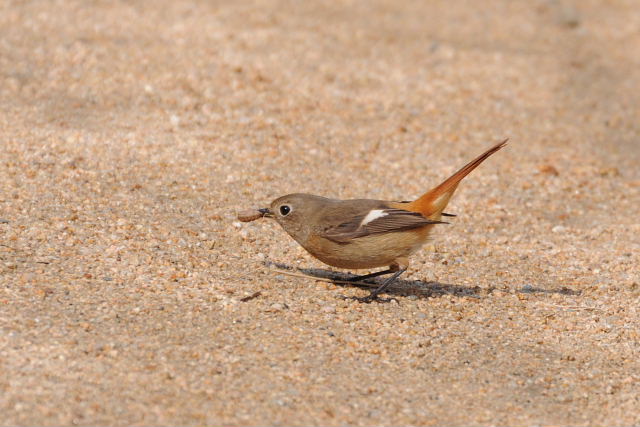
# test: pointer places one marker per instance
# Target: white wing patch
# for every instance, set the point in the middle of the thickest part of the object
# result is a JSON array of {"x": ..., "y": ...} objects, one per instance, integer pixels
[{"x": 373, "y": 215}]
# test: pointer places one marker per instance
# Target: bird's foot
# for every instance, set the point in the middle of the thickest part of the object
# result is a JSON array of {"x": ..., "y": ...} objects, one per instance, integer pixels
[{"x": 370, "y": 298}]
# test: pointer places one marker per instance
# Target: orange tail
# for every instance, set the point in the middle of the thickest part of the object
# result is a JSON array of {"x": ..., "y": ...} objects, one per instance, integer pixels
[{"x": 432, "y": 203}]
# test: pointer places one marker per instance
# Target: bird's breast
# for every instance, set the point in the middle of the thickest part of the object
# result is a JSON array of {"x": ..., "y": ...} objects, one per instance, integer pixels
[{"x": 376, "y": 250}]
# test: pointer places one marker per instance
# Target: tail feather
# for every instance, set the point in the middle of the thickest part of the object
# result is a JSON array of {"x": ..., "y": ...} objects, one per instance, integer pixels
[{"x": 432, "y": 203}]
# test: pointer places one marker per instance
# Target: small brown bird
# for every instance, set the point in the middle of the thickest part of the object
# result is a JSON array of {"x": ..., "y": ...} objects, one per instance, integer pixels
[{"x": 365, "y": 233}]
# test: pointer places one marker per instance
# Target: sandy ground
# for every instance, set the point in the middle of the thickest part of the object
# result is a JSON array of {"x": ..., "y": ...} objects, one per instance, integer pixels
[{"x": 132, "y": 132}]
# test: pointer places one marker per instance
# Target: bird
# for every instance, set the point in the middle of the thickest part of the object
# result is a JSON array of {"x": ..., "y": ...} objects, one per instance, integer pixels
[{"x": 366, "y": 233}]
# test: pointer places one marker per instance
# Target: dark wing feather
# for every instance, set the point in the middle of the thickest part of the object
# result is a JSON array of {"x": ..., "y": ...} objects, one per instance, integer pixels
[{"x": 393, "y": 220}]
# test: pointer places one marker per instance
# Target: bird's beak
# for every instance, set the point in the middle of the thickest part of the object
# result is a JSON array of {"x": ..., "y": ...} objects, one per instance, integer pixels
[{"x": 266, "y": 212}]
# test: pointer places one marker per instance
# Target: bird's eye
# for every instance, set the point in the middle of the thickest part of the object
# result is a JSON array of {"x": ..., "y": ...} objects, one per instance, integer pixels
[{"x": 285, "y": 210}]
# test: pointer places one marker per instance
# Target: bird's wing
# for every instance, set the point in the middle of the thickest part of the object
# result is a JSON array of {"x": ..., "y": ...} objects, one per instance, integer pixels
[
  {"x": 443, "y": 213},
  {"x": 376, "y": 221}
]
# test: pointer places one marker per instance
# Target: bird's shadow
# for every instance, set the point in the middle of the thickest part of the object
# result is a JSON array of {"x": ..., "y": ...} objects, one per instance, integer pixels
[{"x": 419, "y": 288}]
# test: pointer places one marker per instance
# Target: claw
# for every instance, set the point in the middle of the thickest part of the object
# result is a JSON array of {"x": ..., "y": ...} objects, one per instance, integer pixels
[{"x": 370, "y": 298}]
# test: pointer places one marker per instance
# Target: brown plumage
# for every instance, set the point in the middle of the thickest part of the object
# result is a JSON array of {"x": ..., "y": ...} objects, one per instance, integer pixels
[{"x": 365, "y": 233}]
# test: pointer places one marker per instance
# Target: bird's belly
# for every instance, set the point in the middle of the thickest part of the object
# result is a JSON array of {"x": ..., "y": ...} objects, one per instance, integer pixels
[{"x": 372, "y": 251}]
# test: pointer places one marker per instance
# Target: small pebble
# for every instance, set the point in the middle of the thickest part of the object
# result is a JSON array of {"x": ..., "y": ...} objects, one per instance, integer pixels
[
  {"x": 559, "y": 229},
  {"x": 277, "y": 307}
]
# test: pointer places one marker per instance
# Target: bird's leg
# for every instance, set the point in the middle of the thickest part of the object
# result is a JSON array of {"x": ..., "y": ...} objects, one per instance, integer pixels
[
  {"x": 372, "y": 275},
  {"x": 374, "y": 294},
  {"x": 398, "y": 267}
]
